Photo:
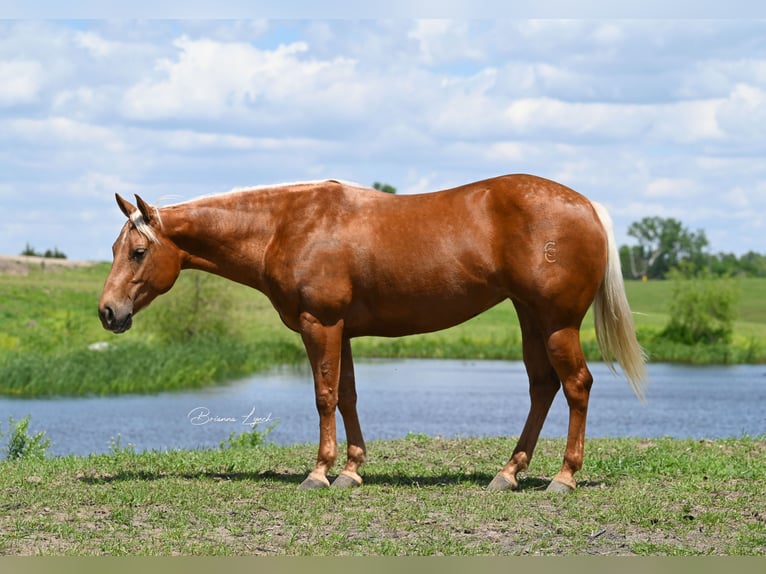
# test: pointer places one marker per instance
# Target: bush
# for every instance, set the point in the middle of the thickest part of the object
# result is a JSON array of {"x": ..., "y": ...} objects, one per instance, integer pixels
[
  {"x": 247, "y": 440},
  {"x": 703, "y": 309},
  {"x": 21, "y": 445}
]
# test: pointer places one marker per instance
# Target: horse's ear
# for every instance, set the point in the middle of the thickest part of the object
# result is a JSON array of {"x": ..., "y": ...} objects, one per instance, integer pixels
[
  {"x": 125, "y": 206},
  {"x": 145, "y": 209}
]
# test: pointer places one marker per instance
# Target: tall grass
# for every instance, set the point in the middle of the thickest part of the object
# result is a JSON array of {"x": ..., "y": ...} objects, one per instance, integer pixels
[
  {"x": 134, "y": 367},
  {"x": 208, "y": 330}
]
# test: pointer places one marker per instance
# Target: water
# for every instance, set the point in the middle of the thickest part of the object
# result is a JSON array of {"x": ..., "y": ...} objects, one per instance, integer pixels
[{"x": 435, "y": 397}]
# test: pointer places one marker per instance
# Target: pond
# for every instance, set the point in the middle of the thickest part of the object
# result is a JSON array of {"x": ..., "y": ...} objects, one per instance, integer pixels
[{"x": 435, "y": 397}]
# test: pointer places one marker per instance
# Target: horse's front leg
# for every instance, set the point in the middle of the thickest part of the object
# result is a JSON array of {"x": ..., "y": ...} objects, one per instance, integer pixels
[
  {"x": 347, "y": 404},
  {"x": 323, "y": 346}
]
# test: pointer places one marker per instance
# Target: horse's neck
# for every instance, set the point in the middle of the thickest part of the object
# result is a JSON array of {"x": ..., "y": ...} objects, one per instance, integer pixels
[{"x": 223, "y": 237}]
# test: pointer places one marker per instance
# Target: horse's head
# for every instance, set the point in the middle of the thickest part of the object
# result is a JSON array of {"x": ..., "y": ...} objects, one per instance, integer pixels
[{"x": 146, "y": 264}]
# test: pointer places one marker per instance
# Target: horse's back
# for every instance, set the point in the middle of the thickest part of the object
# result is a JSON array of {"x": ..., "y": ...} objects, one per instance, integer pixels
[
  {"x": 440, "y": 258},
  {"x": 505, "y": 226},
  {"x": 395, "y": 265}
]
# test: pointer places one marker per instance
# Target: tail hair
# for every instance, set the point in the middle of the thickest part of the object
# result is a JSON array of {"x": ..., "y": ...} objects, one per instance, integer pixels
[{"x": 615, "y": 330}]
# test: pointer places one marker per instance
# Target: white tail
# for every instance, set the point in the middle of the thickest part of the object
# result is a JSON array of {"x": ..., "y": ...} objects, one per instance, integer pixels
[{"x": 615, "y": 331}]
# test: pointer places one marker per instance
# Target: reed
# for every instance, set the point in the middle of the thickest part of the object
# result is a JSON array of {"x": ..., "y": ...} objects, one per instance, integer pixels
[{"x": 135, "y": 367}]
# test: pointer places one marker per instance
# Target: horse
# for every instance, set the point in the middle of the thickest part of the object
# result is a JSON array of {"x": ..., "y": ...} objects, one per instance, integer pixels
[{"x": 339, "y": 261}]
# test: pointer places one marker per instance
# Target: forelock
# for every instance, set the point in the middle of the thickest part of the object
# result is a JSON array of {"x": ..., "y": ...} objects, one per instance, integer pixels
[{"x": 143, "y": 227}]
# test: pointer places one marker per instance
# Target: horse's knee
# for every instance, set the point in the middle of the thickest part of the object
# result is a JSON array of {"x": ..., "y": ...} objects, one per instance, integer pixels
[{"x": 326, "y": 401}]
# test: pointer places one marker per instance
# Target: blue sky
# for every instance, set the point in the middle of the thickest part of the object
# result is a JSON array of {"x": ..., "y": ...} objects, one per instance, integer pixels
[{"x": 659, "y": 116}]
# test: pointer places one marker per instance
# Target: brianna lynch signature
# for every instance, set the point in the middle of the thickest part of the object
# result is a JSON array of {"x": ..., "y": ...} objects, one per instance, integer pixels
[{"x": 199, "y": 416}]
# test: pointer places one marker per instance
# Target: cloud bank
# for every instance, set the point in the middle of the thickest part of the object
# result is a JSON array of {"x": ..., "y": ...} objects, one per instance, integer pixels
[{"x": 650, "y": 117}]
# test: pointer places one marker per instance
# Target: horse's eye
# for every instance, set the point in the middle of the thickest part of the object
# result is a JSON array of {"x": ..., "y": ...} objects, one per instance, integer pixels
[{"x": 138, "y": 253}]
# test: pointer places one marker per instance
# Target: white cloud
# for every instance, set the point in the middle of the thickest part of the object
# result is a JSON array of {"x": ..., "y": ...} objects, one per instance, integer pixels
[
  {"x": 737, "y": 198},
  {"x": 188, "y": 140},
  {"x": 672, "y": 188},
  {"x": 7, "y": 192},
  {"x": 650, "y": 117},
  {"x": 78, "y": 97},
  {"x": 687, "y": 122},
  {"x": 57, "y": 131},
  {"x": 715, "y": 77},
  {"x": 608, "y": 34},
  {"x": 96, "y": 185},
  {"x": 682, "y": 122},
  {"x": 507, "y": 151},
  {"x": 744, "y": 112},
  {"x": 209, "y": 79},
  {"x": 445, "y": 41},
  {"x": 417, "y": 184},
  {"x": 95, "y": 44},
  {"x": 20, "y": 81}
]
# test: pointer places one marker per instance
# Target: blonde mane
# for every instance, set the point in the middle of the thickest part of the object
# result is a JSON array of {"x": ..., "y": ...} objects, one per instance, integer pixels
[
  {"x": 143, "y": 227},
  {"x": 277, "y": 186}
]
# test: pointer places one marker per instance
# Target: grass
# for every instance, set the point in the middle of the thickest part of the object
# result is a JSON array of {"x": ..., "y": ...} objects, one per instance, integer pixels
[
  {"x": 422, "y": 496},
  {"x": 48, "y": 320}
]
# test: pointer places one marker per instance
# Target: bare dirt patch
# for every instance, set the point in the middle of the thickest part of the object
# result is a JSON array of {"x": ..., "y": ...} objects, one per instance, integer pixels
[{"x": 23, "y": 264}]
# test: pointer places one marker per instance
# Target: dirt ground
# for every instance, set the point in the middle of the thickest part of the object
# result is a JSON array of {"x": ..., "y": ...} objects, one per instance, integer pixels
[{"x": 21, "y": 264}]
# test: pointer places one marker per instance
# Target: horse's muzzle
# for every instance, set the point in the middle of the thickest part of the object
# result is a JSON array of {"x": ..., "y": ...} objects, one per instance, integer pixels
[{"x": 112, "y": 322}]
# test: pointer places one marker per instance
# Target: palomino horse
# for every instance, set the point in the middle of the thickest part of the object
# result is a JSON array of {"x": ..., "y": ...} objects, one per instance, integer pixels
[{"x": 340, "y": 261}]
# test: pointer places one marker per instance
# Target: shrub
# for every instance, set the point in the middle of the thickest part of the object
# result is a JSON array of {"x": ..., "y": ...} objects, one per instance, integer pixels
[
  {"x": 246, "y": 440},
  {"x": 21, "y": 445},
  {"x": 703, "y": 309}
]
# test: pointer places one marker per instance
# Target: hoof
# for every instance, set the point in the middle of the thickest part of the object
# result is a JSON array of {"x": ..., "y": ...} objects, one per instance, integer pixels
[
  {"x": 501, "y": 482},
  {"x": 559, "y": 487},
  {"x": 314, "y": 481},
  {"x": 347, "y": 480}
]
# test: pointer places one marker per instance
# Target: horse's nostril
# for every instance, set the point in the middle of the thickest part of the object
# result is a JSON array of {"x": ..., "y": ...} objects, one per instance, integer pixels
[{"x": 107, "y": 315}]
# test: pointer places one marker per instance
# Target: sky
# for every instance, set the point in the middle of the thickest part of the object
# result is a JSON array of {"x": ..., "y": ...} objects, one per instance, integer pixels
[{"x": 650, "y": 116}]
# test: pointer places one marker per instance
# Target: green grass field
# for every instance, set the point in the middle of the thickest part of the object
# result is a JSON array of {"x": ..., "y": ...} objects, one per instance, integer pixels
[
  {"x": 422, "y": 496},
  {"x": 48, "y": 319}
]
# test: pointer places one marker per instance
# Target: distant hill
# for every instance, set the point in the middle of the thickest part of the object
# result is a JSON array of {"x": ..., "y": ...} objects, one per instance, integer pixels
[{"x": 21, "y": 264}]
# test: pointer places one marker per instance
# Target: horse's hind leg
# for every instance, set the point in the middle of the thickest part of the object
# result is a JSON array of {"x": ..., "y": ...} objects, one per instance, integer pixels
[
  {"x": 347, "y": 404},
  {"x": 543, "y": 386},
  {"x": 567, "y": 358}
]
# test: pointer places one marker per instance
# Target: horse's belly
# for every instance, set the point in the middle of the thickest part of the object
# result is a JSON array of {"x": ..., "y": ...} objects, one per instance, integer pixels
[{"x": 408, "y": 315}]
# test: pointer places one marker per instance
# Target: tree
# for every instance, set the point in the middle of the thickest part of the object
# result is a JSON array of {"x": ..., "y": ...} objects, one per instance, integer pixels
[
  {"x": 54, "y": 254},
  {"x": 51, "y": 254},
  {"x": 384, "y": 187},
  {"x": 29, "y": 251},
  {"x": 662, "y": 244},
  {"x": 753, "y": 264}
]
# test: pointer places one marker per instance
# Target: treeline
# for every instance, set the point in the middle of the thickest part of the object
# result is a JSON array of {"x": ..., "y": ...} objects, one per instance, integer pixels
[
  {"x": 49, "y": 253},
  {"x": 665, "y": 245}
]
